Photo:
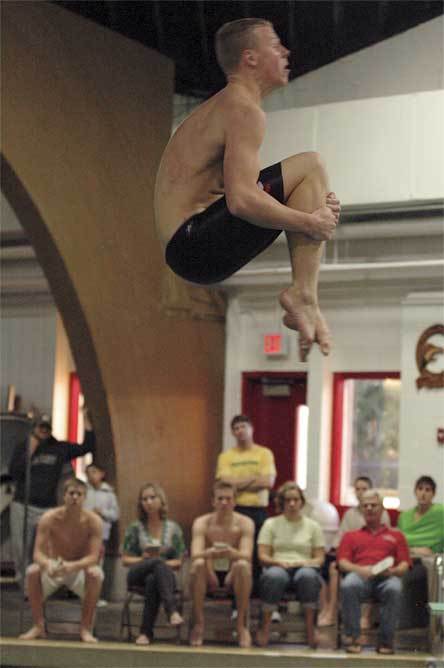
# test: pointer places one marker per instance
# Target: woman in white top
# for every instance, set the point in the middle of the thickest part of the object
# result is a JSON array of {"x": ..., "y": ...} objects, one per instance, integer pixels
[{"x": 291, "y": 549}]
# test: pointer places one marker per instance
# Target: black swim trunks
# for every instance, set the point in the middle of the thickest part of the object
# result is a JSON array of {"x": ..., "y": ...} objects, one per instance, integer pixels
[{"x": 214, "y": 244}]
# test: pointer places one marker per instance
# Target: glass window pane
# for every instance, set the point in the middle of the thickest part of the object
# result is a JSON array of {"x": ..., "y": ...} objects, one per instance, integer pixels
[{"x": 370, "y": 433}]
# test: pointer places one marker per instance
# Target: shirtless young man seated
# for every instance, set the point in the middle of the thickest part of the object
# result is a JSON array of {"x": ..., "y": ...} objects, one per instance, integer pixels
[
  {"x": 215, "y": 210},
  {"x": 221, "y": 553},
  {"x": 67, "y": 550}
]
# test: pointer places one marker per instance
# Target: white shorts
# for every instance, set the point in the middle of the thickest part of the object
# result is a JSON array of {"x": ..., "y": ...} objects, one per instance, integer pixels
[{"x": 74, "y": 582}]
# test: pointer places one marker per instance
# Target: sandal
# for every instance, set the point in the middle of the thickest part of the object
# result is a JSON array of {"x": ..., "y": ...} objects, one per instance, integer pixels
[
  {"x": 353, "y": 647},
  {"x": 384, "y": 649}
]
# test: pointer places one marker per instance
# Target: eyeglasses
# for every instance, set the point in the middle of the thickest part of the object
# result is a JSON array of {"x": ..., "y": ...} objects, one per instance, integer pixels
[{"x": 370, "y": 505}]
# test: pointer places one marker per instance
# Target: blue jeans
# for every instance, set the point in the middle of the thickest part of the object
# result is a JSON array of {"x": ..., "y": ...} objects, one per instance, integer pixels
[
  {"x": 304, "y": 581},
  {"x": 387, "y": 591}
]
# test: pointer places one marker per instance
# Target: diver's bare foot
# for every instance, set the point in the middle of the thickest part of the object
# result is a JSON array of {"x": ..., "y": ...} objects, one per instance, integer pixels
[
  {"x": 196, "y": 636},
  {"x": 87, "y": 636},
  {"x": 301, "y": 313},
  {"x": 305, "y": 317},
  {"x": 35, "y": 632},
  {"x": 142, "y": 640},
  {"x": 244, "y": 637},
  {"x": 262, "y": 636},
  {"x": 176, "y": 619}
]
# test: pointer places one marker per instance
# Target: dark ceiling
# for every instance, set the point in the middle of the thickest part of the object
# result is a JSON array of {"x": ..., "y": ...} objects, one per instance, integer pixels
[{"x": 317, "y": 32}]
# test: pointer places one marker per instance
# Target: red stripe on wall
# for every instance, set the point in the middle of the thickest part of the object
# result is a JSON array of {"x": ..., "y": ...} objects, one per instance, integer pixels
[{"x": 73, "y": 410}]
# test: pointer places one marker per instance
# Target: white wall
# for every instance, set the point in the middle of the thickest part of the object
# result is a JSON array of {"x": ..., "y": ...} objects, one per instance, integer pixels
[
  {"x": 380, "y": 150},
  {"x": 27, "y": 355},
  {"x": 410, "y": 62},
  {"x": 422, "y": 410}
]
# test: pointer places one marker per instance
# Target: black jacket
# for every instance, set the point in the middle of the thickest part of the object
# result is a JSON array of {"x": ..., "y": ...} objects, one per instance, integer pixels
[{"x": 47, "y": 463}]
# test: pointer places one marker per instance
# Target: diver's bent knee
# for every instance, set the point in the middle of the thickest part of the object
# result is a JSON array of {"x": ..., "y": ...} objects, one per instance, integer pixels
[
  {"x": 303, "y": 165},
  {"x": 317, "y": 163}
]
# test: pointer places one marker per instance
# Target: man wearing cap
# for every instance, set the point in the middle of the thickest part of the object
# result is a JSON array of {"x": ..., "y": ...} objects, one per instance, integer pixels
[{"x": 48, "y": 458}]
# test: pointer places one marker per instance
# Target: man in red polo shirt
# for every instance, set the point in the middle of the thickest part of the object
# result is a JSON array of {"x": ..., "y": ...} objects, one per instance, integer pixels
[{"x": 359, "y": 555}]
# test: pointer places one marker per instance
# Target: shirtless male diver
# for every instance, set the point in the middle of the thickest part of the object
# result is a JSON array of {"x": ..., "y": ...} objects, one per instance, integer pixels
[
  {"x": 221, "y": 552},
  {"x": 215, "y": 210},
  {"x": 67, "y": 551}
]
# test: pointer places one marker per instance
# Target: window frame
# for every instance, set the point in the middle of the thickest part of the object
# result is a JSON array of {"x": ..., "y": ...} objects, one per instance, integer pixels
[{"x": 337, "y": 430}]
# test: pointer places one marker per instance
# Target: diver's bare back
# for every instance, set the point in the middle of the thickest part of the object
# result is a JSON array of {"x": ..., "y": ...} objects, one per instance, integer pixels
[{"x": 190, "y": 176}]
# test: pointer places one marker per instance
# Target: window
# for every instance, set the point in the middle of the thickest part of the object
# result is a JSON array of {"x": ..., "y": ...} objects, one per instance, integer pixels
[{"x": 365, "y": 434}]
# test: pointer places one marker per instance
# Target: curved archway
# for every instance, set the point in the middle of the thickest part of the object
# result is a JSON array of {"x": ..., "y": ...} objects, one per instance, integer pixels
[
  {"x": 67, "y": 302},
  {"x": 86, "y": 115}
]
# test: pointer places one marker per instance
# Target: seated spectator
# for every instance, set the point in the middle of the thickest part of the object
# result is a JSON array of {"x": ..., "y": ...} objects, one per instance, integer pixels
[
  {"x": 354, "y": 517},
  {"x": 352, "y": 520},
  {"x": 153, "y": 549},
  {"x": 48, "y": 459},
  {"x": 221, "y": 552},
  {"x": 67, "y": 552},
  {"x": 359, "y": 551},
  {"x": 423, "y": 527},
  {"x": 100, "y": 498},
  {"x": 291, "y": 550},
  {"x": 251, "y": 468}
]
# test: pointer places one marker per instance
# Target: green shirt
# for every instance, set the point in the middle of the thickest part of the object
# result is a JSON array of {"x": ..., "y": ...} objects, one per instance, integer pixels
[
  {"x": 291, "y": 541},
  {"x": 427, "y": 531},
  {"x": 137, "y": 538}
]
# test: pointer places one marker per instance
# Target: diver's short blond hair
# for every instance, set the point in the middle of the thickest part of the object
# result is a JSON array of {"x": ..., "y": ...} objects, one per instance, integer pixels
[{"x": 233, "y": 38}]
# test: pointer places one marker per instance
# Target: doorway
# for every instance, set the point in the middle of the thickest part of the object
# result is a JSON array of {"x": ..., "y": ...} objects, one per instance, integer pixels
[{"x": 271, "y": 400}]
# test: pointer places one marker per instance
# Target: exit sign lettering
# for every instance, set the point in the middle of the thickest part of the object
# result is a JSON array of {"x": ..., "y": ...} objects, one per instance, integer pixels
[{"x": 274, "y": 344}]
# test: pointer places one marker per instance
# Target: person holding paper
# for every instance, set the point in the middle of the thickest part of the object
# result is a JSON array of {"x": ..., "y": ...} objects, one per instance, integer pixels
[
  {"x": 374, "y": 559},
  {"x": 221, "y": 553},
  {"x": 153, "y": 548}
]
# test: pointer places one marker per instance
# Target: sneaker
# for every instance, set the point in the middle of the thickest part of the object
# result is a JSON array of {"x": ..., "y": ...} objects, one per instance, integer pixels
[
  {"x": 101, "y": 603},
  {"x": 233, "y": 615},
  {"x": 276, "y": 617}
]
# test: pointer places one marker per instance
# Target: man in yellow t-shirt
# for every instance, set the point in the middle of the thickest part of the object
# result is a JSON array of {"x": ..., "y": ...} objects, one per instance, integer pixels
[{"x": 251, "y": 468}]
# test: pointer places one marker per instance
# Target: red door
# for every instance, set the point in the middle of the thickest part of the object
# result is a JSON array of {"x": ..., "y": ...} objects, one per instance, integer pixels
[{"x": 271, "y": 400}]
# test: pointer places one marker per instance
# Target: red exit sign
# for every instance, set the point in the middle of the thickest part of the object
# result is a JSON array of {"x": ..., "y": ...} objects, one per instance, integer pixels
[{"x": 274, "y": 344}]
